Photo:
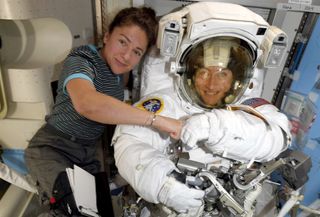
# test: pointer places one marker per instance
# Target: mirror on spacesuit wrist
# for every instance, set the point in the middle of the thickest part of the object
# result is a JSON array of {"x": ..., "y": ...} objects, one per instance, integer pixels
[{"x": 216, "y": 72}]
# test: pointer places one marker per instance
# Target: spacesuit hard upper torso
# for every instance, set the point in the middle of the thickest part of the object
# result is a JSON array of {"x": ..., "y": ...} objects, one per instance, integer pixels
[{"x": 141, "y": 152}]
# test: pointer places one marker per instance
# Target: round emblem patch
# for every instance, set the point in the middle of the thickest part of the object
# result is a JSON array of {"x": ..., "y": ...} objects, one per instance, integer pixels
[{"x": 154, "y": 105}]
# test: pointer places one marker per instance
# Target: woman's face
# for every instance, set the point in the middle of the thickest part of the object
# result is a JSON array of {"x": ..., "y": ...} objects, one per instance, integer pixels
[
  {"x": 212, "y": 83},
  {"x": 124, "y": 48}
]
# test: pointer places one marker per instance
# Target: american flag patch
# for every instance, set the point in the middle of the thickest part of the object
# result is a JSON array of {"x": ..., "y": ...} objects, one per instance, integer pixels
[{"x": 255, "y": 102}]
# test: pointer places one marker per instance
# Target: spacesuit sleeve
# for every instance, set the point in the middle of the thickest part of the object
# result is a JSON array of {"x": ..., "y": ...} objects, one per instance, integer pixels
[
  {"x": 140, "y": 156},
  {"x": 244, "y": 136}
]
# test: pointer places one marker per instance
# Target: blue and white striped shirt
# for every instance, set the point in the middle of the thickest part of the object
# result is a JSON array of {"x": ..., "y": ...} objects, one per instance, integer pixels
[{"x": 83, "y": 62}]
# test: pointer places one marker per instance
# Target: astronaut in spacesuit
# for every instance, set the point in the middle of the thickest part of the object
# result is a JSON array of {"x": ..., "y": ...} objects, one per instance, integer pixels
[{"x": 223, "y": 116}]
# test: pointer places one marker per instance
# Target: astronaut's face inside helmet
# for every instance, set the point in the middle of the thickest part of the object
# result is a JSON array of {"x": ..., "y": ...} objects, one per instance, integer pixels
[
  {"x": 212, "y": 84},
  {"x": 217, "y": 72}
]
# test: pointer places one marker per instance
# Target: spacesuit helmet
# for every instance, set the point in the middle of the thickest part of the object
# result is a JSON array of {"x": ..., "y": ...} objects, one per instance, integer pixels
[{"x": 216, "y": 72}]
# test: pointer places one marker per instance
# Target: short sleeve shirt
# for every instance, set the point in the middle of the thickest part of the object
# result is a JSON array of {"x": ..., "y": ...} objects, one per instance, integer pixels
[{"x": 83, "y": 62}]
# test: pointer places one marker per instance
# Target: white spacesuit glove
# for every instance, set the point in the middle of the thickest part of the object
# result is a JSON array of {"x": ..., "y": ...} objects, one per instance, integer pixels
[
  {"x": 195, "y": 129},
  {"x": 179, "y": 197}
]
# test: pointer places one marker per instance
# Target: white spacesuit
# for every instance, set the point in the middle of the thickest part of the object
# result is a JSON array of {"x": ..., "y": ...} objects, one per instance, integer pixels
[{"x": 213, "y": 82}]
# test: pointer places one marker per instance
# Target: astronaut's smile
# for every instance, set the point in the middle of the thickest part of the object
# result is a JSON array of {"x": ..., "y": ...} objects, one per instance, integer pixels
[{"x": 211, "y": 93}]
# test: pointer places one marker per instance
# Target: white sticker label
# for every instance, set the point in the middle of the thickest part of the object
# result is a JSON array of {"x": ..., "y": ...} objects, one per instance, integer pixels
[
  {"x": 305, "y": 2},
  {"x": 299, "y": 7}
]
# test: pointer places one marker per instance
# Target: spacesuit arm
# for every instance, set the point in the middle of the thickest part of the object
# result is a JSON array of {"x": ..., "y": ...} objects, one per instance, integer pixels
[
  {"x": 242, "y": 135},
  {"x": 148, "y": 170},
  {"x": 246, "y": 137},
  {"x": 138, "y": 162},
  {"x": 140, "y": 152}
]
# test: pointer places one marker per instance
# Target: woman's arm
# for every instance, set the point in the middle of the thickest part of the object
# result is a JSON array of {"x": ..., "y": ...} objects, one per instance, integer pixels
[{"x": 109, "y": 110}]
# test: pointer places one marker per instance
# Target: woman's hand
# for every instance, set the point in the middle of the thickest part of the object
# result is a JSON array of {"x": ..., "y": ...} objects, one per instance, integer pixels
[{"x": 169, "y": 125}]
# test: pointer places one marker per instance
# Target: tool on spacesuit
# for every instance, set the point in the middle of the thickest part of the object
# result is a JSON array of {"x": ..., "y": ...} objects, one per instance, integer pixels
[
  {"x": 201, "y": 178},
  {"x": 243, "y": 180},
  {"x": 263, "y": 173},
  {"x": 224, "y": 197}
]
